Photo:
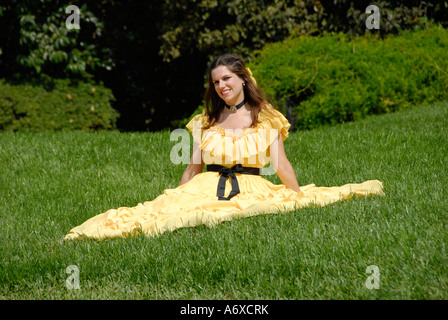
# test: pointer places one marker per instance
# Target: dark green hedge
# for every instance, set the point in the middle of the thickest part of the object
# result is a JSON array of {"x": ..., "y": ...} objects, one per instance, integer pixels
[
  {"x": 330, "y": 79},
  {"x": 56, "y": 105}
]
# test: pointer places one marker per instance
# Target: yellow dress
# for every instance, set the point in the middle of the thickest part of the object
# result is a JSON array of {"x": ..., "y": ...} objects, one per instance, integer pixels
[{"x": 196, "y": 203}]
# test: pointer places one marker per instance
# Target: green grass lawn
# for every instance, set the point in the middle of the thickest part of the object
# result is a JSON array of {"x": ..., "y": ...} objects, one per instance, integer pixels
[{"x": 50, "y": 183}]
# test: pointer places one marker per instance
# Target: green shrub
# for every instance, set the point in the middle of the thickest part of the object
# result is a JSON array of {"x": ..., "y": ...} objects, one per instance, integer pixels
[
  {"x": 331, "y": 79},
  {"x": 56, "y": 105}
]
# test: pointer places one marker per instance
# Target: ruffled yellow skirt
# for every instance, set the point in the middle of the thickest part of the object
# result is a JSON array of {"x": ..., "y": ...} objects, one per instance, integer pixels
[{"x": 195, "y": 203}]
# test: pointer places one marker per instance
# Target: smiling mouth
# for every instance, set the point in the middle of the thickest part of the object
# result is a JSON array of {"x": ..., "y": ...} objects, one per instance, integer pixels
[{"x": 225, "y": 92}]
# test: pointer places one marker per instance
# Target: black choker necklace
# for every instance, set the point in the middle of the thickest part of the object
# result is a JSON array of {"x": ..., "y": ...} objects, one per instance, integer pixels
[{"x": 234, "y": 108}]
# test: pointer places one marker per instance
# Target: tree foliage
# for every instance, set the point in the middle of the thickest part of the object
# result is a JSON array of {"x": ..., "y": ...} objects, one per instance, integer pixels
[
  {"x": 38, "y": 39},
  {"x": 213, "y": 27},
  {"x": 153, "y": 54}
]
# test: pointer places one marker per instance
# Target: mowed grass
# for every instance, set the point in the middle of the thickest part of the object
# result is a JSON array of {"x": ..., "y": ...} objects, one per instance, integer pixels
[{"x": 50, "y": 183}]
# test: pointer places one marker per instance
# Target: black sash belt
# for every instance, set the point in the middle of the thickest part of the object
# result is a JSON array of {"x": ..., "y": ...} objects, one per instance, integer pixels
[{"x": 230, "y": 172}]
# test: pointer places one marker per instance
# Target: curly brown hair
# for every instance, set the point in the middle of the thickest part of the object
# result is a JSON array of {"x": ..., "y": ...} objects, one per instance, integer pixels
[{"x": 256, "y": 99}]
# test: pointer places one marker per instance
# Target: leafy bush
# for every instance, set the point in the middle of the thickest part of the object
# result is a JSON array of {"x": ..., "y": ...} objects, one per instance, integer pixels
[
  {"x": 145, "y": 50},
  {"x": 331, "y": 79},
  {"x": 215, "y": 27},
  {"x": 56, "y": 105}
]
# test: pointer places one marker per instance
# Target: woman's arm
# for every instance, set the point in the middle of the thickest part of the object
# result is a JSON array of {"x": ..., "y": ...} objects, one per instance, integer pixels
[
  {"x": 282, "y": 165},
  {"x": 195, "y": 166}
]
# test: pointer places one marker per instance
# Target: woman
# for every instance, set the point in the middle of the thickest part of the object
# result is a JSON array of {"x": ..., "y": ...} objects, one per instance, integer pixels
[
  {"x": 237, "y": 135},
  {"x": 231, "y": 85}
]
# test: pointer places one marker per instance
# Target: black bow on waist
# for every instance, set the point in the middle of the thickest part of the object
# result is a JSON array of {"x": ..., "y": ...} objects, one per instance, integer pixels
[{"x": 225, "y": 173}]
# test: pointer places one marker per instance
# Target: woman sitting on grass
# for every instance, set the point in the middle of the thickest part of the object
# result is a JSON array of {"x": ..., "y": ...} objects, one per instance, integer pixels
[{"x": 237, "y": 135}]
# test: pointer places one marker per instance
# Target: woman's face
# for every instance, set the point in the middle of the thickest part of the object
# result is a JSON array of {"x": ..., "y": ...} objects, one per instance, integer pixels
[{"x": 228, "y": 85}]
